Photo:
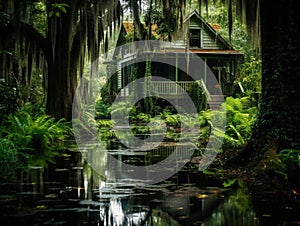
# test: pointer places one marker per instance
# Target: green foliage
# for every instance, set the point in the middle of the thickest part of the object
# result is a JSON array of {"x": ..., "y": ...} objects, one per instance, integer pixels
[
  {"x": 166, "y": 22},
  {"x": 8, "y": 154},
  {"x": 140, "y": 129},
  {"x": 4, "y": 17},
  {"x": 34, "y": 110},
  {"x": 289, "y": 155},
  {"x": 102, "y": 110},
  {"x": 104, "y": 127},
  {"x": 172, "y": 119},
  {"x": 57, "y": 9},
  {"x": 104, "y": 123},
  {"x": 213, "y": 172},
  {"x": 9, "y": 99},
  {"x": 229, "y": 182},
  {"x": 37, "y": 92},
  {"x": 36, "y": 138},
  {"x": 206, "y": 119},
  {"x": 239, "y": 117},
  {"x": 198, "y": 96},
  {"x": 289, "y": 165},
  {"x": 37, "y": 134},
  {"x": 251, "y": 74},
  {"x": 239, "y": 122},
  {"x": 39, "y": 17},
  {"x": 120, "y": 109},
  {"x": 141, "y": 118},
  {"x": 189, "y": 121},
  {"x": 238, "y": 128},
  {"x": 150, "y": 100}
]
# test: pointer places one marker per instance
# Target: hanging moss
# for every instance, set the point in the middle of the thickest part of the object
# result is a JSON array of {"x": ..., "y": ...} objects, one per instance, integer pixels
[{"x": 72, "y": 37}]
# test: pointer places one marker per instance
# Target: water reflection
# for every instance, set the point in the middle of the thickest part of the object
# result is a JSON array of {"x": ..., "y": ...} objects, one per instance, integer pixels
[
  {"x": 72, "y": 193},
  {"x": 236, "y": 209}
]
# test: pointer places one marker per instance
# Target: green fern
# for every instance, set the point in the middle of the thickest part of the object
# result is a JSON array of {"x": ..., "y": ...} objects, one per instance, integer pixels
[
  {"x": 35, "y": 137},
  {"x": 8, "y": 154}
]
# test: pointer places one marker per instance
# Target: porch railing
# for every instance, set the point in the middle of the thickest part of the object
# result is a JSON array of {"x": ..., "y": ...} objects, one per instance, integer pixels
[{"x": 170, "y": 87}]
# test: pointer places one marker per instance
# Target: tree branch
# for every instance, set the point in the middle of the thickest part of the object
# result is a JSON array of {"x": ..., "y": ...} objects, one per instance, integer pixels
[{"x": 31, "y": 34}]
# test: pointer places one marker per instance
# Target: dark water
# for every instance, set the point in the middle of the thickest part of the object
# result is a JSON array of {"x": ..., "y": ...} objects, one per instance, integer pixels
[{"x": 72, "y": 193}]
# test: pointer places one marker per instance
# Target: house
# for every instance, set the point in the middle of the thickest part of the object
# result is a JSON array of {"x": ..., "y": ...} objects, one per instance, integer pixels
[{"x": 196, "y": 39}]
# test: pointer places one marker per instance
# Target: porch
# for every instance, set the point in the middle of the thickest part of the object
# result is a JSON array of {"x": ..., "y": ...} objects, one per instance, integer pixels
[
  {"x": 175, "y": 88},
  {"x": 171, "y": 87}
]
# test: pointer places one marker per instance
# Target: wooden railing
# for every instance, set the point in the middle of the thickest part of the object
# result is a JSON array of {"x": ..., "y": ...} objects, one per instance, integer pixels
[{"x": 170, "y": 87}]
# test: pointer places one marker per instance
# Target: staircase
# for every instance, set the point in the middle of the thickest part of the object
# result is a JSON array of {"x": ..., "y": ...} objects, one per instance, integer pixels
[{"x": 215, "y": 102}]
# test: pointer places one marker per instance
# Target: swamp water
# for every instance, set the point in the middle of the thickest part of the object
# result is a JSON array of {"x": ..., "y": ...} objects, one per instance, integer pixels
[{"x": 71, "y": 192}]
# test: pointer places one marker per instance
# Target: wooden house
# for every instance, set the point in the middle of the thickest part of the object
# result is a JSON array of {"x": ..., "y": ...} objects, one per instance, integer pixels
[{"x": 196, "y": 38}]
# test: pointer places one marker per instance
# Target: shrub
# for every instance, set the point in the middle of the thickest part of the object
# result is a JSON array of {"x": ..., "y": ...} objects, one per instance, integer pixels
[
  {"x": 8, "y": 154},
  {"x": 35, "y": 137},
  {"x": 290, "y": 155},
  {"x": 239, "y": 122},
  {"x": 8, "y": 100},
  {"x": 290, "y": 164},
  {"x": 102, "y": 110}
]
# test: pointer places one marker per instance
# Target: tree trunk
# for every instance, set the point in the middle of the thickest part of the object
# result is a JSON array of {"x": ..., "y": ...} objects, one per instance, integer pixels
[
  {"x": 278, "y": 120},
  {"x": 62, "y": 75}
]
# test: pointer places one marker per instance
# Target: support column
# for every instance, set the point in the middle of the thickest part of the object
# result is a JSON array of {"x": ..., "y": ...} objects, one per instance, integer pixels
[
  {"x": 205, "y": 70},
  {"x": 176, "y": 71}
]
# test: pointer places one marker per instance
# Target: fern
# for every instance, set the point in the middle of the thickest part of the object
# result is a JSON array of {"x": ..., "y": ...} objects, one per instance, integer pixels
[
  {"x": 34, "y": 137},
  {"x": 8, "y": 154}
]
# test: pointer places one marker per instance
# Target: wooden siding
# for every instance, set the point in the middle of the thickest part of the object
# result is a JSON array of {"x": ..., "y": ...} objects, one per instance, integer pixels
[{"x": 209, "y": 39}]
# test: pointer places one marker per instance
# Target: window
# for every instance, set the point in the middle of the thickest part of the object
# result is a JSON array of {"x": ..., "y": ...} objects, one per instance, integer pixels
[{"x": 195, "y": 38}]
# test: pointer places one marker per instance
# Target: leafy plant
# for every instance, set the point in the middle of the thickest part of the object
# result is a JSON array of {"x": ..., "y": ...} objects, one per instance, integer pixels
[
  {"x": 165, "y": 24},
  {"x": 120, "y": 109},
  {"x": 102, "y": 110},
  {"x": 239, "y": 122},
  {"x": 57, "y": 9},
  {"x": 251, "y": 74},
  {"x": 8, "y": 154},
  {"x": 189, "y": 121},
  {"x": 172, "y": 120},
  {"x": 290, "y": 155},
  {"x": 229, "y": 182},
  {"x": 8, "y": 100},
  {"x": 104, "y": 123},
  {"x": 290, "y": 163},
  {"x": 39, "y": 137},
  {"x": 140, "y": 118}
]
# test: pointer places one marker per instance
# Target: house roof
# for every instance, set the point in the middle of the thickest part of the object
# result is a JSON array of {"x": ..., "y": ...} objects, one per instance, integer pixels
[
  {"x": 128, "y": 26},
  {"x": 220, "y": 46},
  {"x": 205, "y": 51},
  {"x": 199, "y": 51},
  {"x": 210, "y": 27}
]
